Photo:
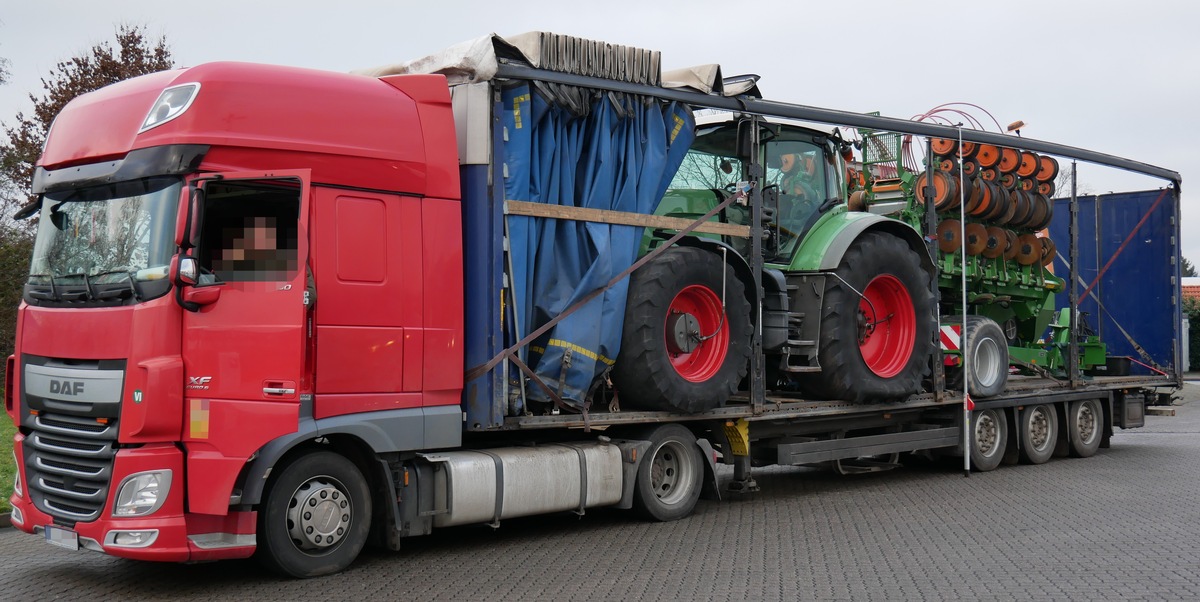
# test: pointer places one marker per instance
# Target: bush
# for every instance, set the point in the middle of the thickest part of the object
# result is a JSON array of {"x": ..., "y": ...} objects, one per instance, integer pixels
[{"x": 1191, "y": 310}]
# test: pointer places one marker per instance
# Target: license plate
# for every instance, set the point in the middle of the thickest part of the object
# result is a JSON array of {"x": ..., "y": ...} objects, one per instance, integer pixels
[{"x": 62, "y": 537}]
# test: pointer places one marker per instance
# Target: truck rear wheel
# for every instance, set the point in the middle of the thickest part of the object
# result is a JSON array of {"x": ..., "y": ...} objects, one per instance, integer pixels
[
  {"x": 683, "y": 347},
  {"x": 877, "y": 323},
  {"x": 671, "y": 475},
  {"x": 1085, "y": 424},
  {"x": 989, "y": 439},
  {"x": 315, "y": 518},
  {"x": 1039, "y": 433},
  {"x": 986, "y": 349}
]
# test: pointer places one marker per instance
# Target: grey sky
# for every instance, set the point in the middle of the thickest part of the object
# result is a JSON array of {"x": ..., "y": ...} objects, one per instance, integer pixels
[{"x": 1114, "y": 76}]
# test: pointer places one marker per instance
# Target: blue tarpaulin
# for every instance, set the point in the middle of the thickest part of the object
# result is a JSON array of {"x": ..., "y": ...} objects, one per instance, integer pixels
[
  {"x": 1131, "y": 304},
  {"x": 620, "y": 156}
]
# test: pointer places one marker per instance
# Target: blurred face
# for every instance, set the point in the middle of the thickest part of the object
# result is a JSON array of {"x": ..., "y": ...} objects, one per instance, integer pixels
[{"x": 787, "y": 163}]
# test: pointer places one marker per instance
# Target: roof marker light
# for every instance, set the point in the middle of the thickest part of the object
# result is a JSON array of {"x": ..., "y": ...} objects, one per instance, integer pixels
[{"x": 170, "y": 104}]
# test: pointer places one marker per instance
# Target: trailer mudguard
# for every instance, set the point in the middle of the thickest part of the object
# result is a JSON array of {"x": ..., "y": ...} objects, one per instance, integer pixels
[{"x": 823, "y": 247}]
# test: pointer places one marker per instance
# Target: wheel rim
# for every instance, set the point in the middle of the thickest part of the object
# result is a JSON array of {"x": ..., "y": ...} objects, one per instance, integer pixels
[
  {"x": 1038, "y": 426},
  {"x": 887, "y": 326},
  {"x": 705, "y": 360},
  {"x": 671, "y": 473},
  {"x": 987, "y": 434},
  {"x": 986, "y": 362},
  {"x": 319, "y": 514},
  {"x": 1086, "y": 419}
]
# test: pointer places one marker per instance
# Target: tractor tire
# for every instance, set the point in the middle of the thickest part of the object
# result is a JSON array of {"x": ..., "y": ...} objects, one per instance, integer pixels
[
  {"x": 874, "y": 346},
  {"x": 682, "y": 350},
  {"x": 986, "y": 350}
]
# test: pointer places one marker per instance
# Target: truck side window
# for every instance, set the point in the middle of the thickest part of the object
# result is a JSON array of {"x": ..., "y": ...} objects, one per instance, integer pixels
[{"x": 250, "y": 231}]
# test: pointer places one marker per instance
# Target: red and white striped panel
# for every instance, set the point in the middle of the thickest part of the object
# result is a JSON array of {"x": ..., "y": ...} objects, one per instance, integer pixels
[{"x": 951, "y": 335}]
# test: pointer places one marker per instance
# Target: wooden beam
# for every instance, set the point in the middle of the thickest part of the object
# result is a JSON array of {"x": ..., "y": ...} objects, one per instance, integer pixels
[{"x": 624, "y": 218}]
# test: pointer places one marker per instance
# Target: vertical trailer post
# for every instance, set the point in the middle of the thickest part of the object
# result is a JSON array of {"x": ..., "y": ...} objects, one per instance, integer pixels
[
  {"x": 1072, "y": 292},
  {"x": 966, "y": 354},
  {"x": 757, "y": 361},
  {"x": 939, "y": 368}
]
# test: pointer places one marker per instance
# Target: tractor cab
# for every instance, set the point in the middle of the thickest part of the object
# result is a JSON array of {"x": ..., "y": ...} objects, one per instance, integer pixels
[{"x": 796, "y": 166}]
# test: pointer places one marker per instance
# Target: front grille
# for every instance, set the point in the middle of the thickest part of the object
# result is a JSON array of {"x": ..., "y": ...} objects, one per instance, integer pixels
[{"x": 68, "y": 465}]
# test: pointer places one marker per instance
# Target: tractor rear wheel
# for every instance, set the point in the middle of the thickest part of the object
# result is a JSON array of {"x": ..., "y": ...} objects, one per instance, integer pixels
[
  {"x": 877, "y": 323},
  {"x": 684, "y": 347}
]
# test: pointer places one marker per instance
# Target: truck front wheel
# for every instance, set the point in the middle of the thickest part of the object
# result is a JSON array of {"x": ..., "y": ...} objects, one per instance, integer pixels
[
  {"x": 685, "y": 344},
  {"x": 315, "y": 518},
  {"x": 877, "y": 323}
]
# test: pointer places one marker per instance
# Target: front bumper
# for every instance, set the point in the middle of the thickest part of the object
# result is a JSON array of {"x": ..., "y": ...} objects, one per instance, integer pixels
[{"x": 169, "y": 534}]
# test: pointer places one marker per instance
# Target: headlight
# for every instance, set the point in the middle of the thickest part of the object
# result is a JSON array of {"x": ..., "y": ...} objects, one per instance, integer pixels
[
  {"x": 142, "y": 493},
  {"x": 170, "y": 104},
  {"x": 17, "y": 489}
]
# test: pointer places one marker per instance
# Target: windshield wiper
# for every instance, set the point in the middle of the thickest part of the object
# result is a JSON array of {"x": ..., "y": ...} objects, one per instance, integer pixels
[
  {"x": 51, "y": 296},
  {"x": 109, "y": 294}
]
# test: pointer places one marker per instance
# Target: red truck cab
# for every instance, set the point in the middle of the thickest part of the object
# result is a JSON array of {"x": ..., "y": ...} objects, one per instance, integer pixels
[{"x": 232, "y": 261}]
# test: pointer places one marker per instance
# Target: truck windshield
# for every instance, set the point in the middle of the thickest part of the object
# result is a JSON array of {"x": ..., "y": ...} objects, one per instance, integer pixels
[{"x": 107, "y": 234}]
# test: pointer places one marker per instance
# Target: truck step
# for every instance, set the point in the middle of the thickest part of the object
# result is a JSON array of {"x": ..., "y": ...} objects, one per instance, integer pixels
[{"x": 799, "y": 369}]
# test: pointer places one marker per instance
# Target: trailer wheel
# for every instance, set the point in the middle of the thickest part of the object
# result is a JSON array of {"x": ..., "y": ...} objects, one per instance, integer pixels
[
  {"x": 315, "y": 518},
  {"x": 671, "y": 475},
  {"x": 877, "y": 323},
  {"x": 989, "y": 438},
  {"x": 986, "y": 347},
  {"x": 1085, "y": 424},
  {"x": 1039, "y": 433},
  {"x": 683, "y": 347}
]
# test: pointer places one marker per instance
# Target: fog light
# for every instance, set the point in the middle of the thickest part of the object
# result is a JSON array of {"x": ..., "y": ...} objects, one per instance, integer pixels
[
  {"x": 17, "y": 489},
  {"x": 16, "y": 516},
  {"x": 131, "y": 539},
  {"x": 142, "y": 493}
]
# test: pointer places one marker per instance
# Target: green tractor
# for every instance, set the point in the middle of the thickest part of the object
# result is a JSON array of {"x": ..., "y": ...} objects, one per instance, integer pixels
[{"x": 848, "y": 307}]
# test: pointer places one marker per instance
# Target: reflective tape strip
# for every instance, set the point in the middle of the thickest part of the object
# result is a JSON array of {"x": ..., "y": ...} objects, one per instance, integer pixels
[{"x": 951, "y": 336}]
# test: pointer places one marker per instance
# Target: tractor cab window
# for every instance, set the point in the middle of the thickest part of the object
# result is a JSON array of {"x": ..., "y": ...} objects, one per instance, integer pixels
[
  {"x": 250, "y": 231},
  {"x": 797, "y": 168}
]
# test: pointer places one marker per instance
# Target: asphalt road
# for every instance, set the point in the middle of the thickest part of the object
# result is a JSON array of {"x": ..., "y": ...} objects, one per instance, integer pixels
[{"x": 1124, "y": 524}]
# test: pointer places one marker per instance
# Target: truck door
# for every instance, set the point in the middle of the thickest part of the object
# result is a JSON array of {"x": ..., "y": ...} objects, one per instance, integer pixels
[{"x": 250, "y": 343}]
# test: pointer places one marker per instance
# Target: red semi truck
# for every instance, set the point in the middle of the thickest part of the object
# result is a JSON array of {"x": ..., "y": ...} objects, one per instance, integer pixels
[{"x": 287, "y": 311}]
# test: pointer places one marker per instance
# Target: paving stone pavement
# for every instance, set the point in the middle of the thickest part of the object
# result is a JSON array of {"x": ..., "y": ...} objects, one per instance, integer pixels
[{"x": 1124, "y": 524}]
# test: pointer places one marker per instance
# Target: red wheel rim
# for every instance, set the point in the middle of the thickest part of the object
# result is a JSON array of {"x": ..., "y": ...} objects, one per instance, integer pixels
[
  {"x": 887, "y": 326},
  {"x": 707, "y": 358}
]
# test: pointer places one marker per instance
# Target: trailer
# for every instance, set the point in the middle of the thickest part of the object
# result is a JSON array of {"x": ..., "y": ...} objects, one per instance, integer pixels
[{"x": 286, "y": 312}]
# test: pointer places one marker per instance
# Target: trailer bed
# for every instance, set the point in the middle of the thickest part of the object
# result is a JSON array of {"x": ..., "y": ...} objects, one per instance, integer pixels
[{"x": 1021, "y": 389}]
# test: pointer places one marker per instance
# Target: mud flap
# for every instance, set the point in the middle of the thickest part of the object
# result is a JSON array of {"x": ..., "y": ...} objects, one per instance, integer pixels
[
  {"x": 710, "y": 491},
  {"x": 631, "y": 457}
]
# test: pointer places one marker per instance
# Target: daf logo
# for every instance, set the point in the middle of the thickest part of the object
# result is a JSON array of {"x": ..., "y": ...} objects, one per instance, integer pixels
[
  {"x": 199, "y": 383},
  {"x": 66, "y": 387}
]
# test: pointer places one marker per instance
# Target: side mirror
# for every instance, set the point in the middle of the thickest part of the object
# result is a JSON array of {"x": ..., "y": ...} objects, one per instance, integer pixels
[
  {"x": 187, "y": 271},
  {"x": 185, "y": 274}
]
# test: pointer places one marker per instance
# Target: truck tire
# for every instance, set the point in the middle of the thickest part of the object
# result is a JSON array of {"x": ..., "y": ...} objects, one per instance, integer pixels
[
  {"x": 671, "y": 475},
  {"x": 1085, "y": 425},
  {"x": 987, "y": 357},
  {"x": 989, "y": 439},
  {"x": 1039, "y": 433},
  {"x": 874, "y": 346},
  {"x": 682, "y": 350},
  {"x": 315, "y": 517}
]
